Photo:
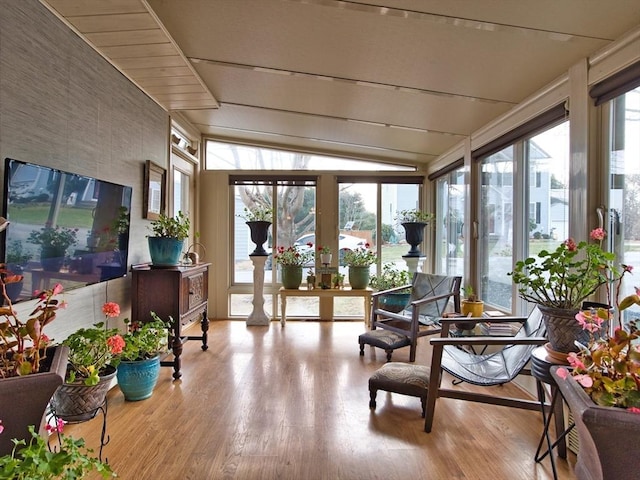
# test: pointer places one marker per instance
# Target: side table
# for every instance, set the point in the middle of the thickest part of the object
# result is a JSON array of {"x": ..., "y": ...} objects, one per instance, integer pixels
[{"x": 541, "y": 363}]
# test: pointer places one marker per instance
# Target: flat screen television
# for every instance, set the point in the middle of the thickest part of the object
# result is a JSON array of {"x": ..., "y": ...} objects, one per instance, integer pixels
[{"x": 64, "y": 228}]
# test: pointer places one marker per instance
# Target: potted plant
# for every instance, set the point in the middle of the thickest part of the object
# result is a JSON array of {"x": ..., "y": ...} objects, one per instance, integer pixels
[
  {"x": 16, "y": 258},
  {"x": 291, "y": 261},
  {"x": 392, "y": 277},
  {"x": 89, "y": 373},
  {"x": 359, "y": 260},
  {"x": 12, "y": 284},
  {"x": 325, "y": 255},
  {"x": 470, "y": 306},
  {"x": 258, "y": 219},
  {"x": 167, "y": 239},
  {"x": 559, "y": 281},
  {"x": 414, "y": 221},
  {"x": 30, "y": 368},
  {"x": 602, "y": 391},
  {"x": 35, "y": 460},
  {"x": 54, "y": 242},
  {"x": 139, "y": 361}
]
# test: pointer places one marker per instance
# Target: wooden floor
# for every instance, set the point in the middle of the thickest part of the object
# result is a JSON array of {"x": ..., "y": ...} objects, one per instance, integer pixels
[{"x": 292, "y": 403}]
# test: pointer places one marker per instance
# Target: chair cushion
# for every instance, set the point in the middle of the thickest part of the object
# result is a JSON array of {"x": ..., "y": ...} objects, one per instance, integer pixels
[
  {"x": 399, "y": 377},
  {"x": 384, "y": 339}
]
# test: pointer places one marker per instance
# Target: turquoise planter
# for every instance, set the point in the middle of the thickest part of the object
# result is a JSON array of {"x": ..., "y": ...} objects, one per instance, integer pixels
[
  {"x": 138, "y": 379},
  {"x": 165, "y": 252},
  {"x": 359, "y": 277}
]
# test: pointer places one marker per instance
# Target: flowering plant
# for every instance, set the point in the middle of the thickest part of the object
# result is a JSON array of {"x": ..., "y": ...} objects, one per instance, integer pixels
[
  {"x": 414, "y": 216},
  {"x": 292, "y": 256},
  {"x": 568, "y": 275},
  {"x": 144, "y": 340},
  {"x": 36, "y": 460},
  {"x": 259, "y": 213},
  {"x": 23, "y": 343},
  {"x": 359, "y": 257},
  {"x": 92, "y": 349},
  {"x": 391, "y": 277},
  {"x": 58, "y": 238},
  {"x": 608, "y": 368},
  {"x": 324, "y": 250}
]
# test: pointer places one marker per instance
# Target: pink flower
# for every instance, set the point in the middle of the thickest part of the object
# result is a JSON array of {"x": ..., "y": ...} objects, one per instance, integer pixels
[
  {"x": 571, "y": 245},
  {"x": 58, "y": 427},
  {"x": 562, "y": 373},
  {"x": 627, "y": 268},
  {"x": 116, "y": 344},
  {"x": 588, "y": 322},
  {"x": 585, "y": 380},
  {"x": 57, "y": 289},
  {"x": 575, "y": 361},
  {"x": 1, "y": 427},
  {"x": 597, "y": 234},
  {"x": 630, "y": 409},
  {"x": 111, "y": 309}
]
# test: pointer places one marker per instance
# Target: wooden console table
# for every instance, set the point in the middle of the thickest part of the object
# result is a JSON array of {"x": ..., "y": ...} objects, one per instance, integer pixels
[
  {"x": 329, "y": 292},
  {"x": 180, "y": 292}
]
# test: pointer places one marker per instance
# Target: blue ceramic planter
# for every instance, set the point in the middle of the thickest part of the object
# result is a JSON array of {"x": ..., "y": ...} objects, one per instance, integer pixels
[
  {"x": 138, "y": 379},
  {"x": 165, "y": 252}
]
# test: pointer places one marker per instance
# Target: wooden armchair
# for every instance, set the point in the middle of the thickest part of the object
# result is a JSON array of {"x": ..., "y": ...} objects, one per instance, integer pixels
[
  {"x": 431, "y": 296},
  {"x": 456, "y": 357}
]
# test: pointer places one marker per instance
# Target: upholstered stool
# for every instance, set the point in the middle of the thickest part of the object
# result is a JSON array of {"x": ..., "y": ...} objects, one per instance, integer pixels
[
  {"x": 384, "y": 339},
  {"x": 399, "y": 377}
]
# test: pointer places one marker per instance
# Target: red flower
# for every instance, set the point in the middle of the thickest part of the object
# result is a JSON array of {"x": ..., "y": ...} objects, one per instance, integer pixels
[
  {"x": 111, "y": 309},
  {"x": 571, "y": 245},
  {"x": 116, "y": 344}
]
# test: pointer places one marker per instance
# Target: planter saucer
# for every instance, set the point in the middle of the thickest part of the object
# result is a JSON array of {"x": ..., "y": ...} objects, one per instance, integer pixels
[{"x": 557, "y": 357}]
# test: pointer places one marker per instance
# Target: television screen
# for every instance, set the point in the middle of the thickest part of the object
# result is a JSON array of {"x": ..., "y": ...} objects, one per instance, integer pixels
[{"x": 64, "y": 228}]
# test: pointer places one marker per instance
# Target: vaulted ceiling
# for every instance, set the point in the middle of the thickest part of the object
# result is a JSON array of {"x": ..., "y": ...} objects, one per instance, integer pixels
[{"x": 394, "y": 80}]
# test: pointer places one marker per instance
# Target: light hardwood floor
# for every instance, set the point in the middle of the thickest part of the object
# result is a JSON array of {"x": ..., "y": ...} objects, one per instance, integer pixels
[{"x": 292, "y": 403}]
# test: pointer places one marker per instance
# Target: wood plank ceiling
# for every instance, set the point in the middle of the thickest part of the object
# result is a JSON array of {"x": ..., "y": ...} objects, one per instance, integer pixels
[{"x": 400, "y": 81}]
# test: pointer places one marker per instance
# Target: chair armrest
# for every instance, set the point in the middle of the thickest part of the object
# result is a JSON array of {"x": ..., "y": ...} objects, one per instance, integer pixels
[
  {"x": 450, "y": 320},
  {"x": 390, "y": 290},
  {"x": 432, "y": 299},
  {"x": 489, "y": 341}
]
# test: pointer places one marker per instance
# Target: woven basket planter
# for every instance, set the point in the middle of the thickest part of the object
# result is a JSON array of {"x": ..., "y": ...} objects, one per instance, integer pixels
[{"x": 77, "y": 402}]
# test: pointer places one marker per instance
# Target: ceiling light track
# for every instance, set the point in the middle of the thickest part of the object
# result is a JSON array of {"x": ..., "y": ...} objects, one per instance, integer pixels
[
  {"x": 350, "y": 81},
  {"x": 461, "y": 22}
]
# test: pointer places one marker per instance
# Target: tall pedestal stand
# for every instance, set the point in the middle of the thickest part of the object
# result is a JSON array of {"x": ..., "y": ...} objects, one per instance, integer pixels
[
  {"x": 258, "y": 316},
  {"x": 414, "y": 263}
]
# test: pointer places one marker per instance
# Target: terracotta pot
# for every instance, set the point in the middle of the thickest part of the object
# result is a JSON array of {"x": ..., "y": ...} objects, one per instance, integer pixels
[
  {"x": 24, "y": 399},
  {"x": 609, "y": 437}
]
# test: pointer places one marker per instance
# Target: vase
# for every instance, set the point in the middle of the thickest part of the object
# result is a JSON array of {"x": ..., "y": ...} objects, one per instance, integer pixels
[
  {"x": 24, "y": 399},
  {"x": 609, "y": 437},
  {"x": 414, "y": 234},
  {"x": 164, "y": 251},
  {"x": 137, "y": 379},
  {"x": 394, "y": 302},
  {"x": 325, "y": 258},
  {"x": 563, "y": 329},
  {"x": 77, "y": 402},
  {"x": 259, "y": 232},
  {"x": 52, "y": 258},
  {"x": 359, "y": 277},
  {"x": 291, "y": 276}
]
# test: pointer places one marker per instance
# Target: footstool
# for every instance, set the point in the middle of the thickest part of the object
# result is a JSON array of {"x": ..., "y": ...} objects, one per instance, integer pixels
[
  {"x": 398, "y": 377},
  {"x": 384, "y": 339}
]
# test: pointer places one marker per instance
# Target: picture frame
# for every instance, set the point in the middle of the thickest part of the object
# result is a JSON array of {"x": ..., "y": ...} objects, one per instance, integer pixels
[{"x": 155, "y": 187}]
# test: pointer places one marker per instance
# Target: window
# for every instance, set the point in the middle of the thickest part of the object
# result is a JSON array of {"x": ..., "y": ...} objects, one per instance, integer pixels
[
  {"x": 524, "y": 220},
  {"x": 450, "y": 220}
]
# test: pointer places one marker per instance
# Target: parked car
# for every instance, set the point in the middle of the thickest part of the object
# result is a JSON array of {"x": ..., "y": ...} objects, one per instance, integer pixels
[{"x": 302, "y": 244}]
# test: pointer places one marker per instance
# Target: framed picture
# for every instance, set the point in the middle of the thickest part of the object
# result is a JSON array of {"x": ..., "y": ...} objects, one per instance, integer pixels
[{"x": 155, "y": 187}]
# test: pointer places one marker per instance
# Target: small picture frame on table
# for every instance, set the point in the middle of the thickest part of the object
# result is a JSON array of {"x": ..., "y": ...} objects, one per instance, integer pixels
[{"x": 155, "y": 186}]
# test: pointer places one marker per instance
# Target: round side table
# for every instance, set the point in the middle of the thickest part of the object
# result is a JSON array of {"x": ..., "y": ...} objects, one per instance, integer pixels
[{"x": 541, "y": 362}]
